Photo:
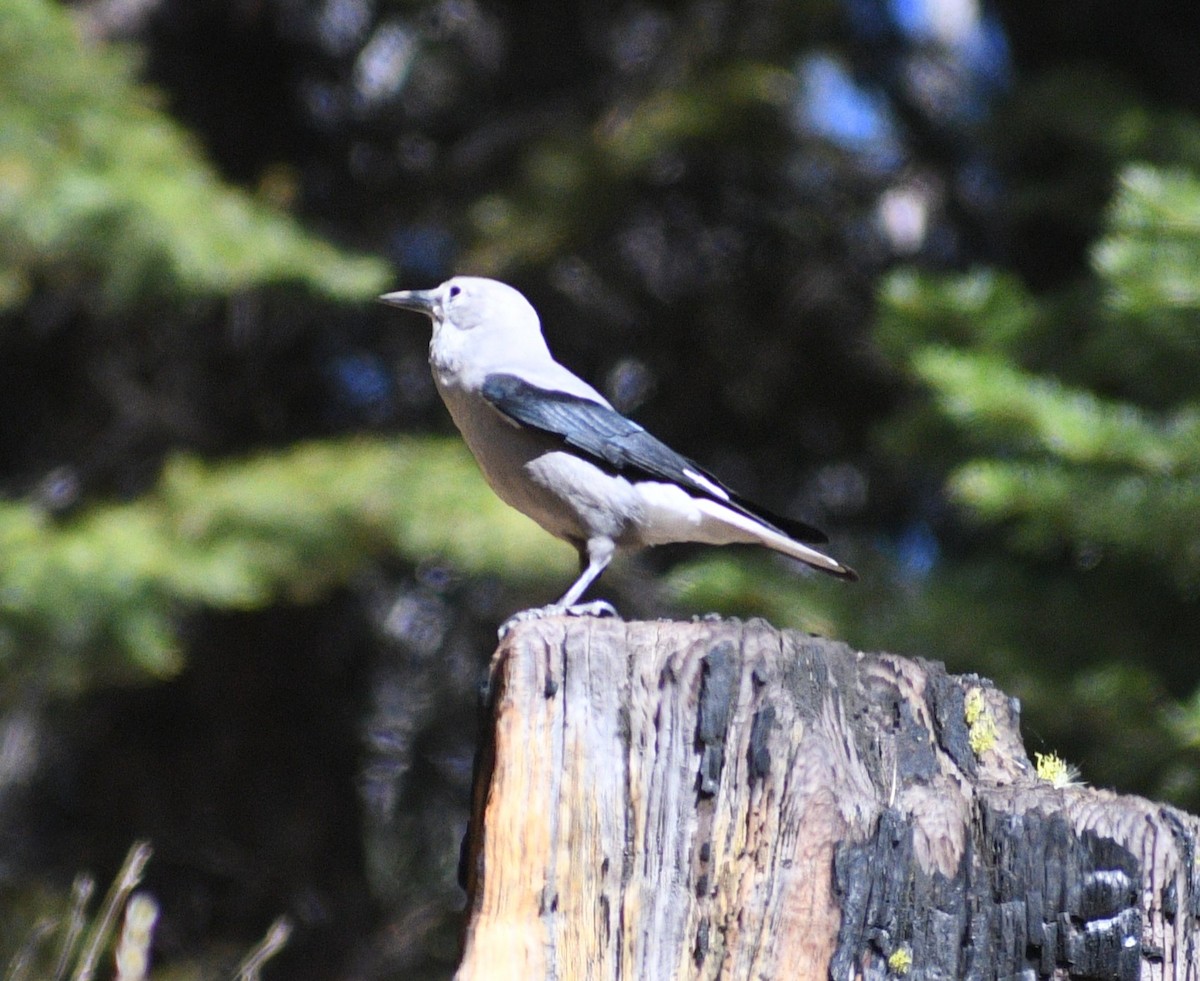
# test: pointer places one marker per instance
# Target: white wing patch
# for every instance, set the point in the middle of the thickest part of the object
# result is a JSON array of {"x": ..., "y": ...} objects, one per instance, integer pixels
[{"x": 707, "y": 484}]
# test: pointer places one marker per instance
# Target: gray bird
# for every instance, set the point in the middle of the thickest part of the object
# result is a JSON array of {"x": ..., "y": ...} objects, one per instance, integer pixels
[{"x": 552, "y": 447}]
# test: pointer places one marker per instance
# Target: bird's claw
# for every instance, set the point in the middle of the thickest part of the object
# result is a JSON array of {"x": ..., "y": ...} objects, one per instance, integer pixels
[{"x": 596, "y": 608}]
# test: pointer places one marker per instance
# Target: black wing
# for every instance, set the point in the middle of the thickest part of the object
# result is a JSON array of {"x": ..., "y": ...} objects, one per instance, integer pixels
[{"x": 621, "y": 445}]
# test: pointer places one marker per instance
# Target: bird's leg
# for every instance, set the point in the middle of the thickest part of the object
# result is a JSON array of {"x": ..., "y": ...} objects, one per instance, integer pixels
[{"x": 594, "y": 559}]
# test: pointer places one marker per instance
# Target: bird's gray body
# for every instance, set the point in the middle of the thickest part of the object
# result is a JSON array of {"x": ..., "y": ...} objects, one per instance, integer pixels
[
  {"x": 552, "y": 447},
  {"x": 562, "y": 493},
  {"x": 556, "y": 489}
]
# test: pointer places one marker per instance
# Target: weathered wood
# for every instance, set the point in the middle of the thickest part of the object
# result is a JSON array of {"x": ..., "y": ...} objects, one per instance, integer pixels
[{"x": 724, "y": 800}]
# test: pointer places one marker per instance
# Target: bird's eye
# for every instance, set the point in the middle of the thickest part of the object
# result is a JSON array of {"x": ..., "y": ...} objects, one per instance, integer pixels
[{"x": 454, "y": 291}]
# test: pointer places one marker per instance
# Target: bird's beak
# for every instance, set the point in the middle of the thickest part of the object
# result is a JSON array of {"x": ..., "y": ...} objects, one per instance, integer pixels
[{"x": 419, "y": 300}]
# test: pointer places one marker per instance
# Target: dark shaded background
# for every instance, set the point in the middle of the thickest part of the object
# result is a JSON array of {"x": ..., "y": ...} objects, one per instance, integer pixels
[{"x": 718, "y": 277}]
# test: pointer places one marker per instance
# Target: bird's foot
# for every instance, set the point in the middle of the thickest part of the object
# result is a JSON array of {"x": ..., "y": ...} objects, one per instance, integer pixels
[{"x": 596, "y": 608}]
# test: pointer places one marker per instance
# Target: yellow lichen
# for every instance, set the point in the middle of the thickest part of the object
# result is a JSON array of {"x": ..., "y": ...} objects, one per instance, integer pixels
[
  {"x": 901, "y": 960},
  {"x": 982, "y": 732},
  {"x": 1056, "y": 771},
  {"x": 973, "y": 705}
]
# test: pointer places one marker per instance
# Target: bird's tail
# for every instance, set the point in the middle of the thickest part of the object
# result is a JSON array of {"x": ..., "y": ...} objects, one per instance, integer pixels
[
  {"x": 751, "y": 530},
  {"x": 809, "y": 556}
]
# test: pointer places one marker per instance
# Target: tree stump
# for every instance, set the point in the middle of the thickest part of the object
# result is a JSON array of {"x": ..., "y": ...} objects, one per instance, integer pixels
[{"x": 725, "y": 800}]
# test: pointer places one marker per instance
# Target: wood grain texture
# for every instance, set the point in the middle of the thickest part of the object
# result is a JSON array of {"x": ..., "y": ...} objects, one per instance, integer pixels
[{"x": 724, "y": 800}]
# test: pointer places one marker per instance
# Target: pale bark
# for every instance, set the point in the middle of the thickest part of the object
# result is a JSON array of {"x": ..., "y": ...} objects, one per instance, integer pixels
[{"x": 725, "y": 800}]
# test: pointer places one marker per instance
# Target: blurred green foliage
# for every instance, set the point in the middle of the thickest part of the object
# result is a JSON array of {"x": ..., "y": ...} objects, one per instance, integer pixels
[
  {"x": 96, "y": 596},
  {"x": 100, "y": 190},
  {"x": 1074, "y": 442}
]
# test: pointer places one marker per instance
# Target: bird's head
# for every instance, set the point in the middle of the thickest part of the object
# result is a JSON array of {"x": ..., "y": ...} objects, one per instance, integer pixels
[
  {"x": 480, "y": 326},
  {"x": 469, "y": 303}
]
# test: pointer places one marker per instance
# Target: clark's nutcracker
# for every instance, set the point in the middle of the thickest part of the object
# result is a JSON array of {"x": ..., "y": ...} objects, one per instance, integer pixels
[{"x": 552, "y": 447}]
